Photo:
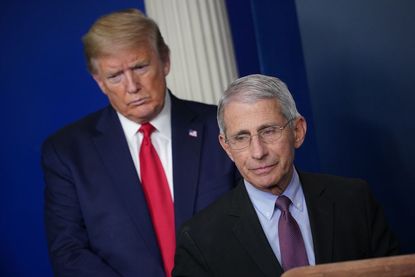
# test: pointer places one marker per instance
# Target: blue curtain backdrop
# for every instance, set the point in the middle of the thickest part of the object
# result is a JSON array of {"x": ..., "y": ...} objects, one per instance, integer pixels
[
  {"x": 267, "y": 40},
  {"x": 360, "y": 58},
  {"x": 348, "y": 63}
]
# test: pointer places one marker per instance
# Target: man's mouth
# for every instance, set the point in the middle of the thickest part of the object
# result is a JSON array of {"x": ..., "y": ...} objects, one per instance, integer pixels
[
  {"x": 138, "y": 102},
  {"x": 265, "y": 169}
]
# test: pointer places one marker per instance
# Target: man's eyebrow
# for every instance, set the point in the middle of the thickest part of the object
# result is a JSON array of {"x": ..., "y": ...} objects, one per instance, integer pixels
[
  {"x": 264, "y": 126},
  {"x": 113, "y": 73},
  {"x": 241, "y": 132},
  {"x": 139, "y": 61},
  {"x": 261, "y": 127},
  {"x": 111, "y": 70}
]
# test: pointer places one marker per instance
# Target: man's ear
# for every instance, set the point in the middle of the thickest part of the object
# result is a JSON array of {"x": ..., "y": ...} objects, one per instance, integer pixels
[
  {"x": 166, "y": 65},
  {"x": 100, "y": 83},
  {"x": 225, "y": 146},
  {"x": 300, "y": 129}
]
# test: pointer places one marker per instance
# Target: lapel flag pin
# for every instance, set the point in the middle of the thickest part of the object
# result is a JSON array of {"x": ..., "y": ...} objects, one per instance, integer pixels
[{"x": 193, "y": 133}]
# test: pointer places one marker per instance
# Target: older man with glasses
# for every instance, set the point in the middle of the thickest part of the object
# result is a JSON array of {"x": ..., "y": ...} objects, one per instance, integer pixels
[{"x": 277, "y": 218}]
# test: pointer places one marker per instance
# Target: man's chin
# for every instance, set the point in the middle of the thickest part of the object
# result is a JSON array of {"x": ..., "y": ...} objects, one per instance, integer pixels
[
  {"x": 143, "y": 113},
  {"x": 269, "y": 185},
  {"x": 263, "y": 184}
]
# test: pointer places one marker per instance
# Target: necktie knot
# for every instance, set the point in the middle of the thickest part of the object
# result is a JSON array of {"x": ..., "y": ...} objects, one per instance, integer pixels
[
  {"x": 146, "y": 129},
  {"x": 283, "y": 202}
]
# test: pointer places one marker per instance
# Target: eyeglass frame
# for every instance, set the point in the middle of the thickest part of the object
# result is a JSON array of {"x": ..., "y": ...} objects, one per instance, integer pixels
[{"x": 259, "y": 132}]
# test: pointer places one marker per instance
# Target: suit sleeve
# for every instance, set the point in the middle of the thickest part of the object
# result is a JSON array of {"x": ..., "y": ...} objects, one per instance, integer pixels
[
  {"x": 189, "y": 260},
  {"x": 67, "y": 236},
  {"x": 383, "y": 242}
]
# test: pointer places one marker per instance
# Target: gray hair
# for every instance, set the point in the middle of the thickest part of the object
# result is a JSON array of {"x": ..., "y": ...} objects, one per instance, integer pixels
[
  {"x": 252, "y": 88},
  {"x": 125, "y": 29}
]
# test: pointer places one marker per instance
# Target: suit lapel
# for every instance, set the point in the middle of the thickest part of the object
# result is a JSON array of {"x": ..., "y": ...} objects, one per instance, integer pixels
[
  {"x": 321, "y": 214},
  {"x": 187, "y": 134},
  {"x": 113, "y": 149},
  {"x": 249, "y": 232}
]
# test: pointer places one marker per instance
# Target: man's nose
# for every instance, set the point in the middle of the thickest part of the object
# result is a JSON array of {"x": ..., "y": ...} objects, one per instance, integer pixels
[
  {"x": 258, "y": 148},
  {"x": 131, "y": 82}
]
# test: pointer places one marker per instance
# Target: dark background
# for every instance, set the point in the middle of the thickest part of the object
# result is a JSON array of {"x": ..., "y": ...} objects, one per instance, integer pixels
[{"x": 349, "y": 65}]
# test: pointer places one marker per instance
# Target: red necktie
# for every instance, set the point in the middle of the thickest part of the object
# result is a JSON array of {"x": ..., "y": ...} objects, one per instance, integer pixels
[
  {"x": 158, "y": 197},
  {"x": 293, "y": 253}
]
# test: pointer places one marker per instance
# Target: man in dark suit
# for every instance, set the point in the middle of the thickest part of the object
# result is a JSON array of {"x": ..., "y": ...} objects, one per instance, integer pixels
[
  {"x": 97, "y": 213},
  {"x": 277, "y": 218}
]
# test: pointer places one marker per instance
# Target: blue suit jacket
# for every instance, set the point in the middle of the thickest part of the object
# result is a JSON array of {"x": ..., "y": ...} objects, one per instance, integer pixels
[{"x": 96, "y": 217}]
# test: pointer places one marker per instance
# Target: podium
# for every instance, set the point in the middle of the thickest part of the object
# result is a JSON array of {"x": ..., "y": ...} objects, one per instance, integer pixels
[{"x": 403, "y": 265}]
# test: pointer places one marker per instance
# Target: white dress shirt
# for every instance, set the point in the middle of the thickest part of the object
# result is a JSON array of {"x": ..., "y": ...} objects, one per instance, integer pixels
[{"x": 160, "y": 138}]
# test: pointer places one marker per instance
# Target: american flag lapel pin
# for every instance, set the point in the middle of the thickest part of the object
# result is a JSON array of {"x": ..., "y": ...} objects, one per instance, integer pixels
[{"x": 193, "y": 133}]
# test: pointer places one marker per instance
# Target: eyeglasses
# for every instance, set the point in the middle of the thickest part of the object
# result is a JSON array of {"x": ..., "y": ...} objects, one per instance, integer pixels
[{"x": 266, "y": 135}]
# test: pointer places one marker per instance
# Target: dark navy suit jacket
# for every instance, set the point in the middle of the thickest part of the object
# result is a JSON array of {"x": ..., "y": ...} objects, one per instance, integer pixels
[
  {"x": 226, "y": 239},
  {"x": 96, "y": 218}
]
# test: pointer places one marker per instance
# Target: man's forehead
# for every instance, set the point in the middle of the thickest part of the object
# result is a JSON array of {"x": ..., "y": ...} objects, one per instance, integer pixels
[
  {"x": 241, "y": 117},
  {"x": 235, "y": 110},
  {"x": 125, "y": 58}
]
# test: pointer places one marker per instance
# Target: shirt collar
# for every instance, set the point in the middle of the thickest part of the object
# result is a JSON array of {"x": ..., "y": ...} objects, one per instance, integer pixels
[
  {"x": 294, "y": 191},
  {"x": 162, "y": 122},
  {"x": 264, "y": 202}
]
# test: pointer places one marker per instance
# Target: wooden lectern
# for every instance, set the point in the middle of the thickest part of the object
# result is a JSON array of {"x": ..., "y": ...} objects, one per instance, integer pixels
[{"x": 403, "y": 265}]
